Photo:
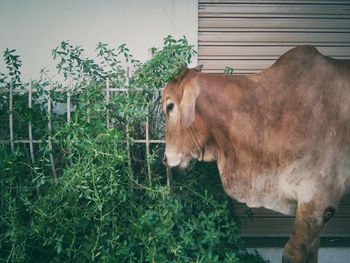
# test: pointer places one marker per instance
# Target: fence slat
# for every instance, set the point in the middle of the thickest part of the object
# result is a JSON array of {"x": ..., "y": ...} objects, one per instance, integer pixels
[
  {"x": 30, "y": 130},
  {"x": 69, "y": 100},
  {"x": 23, "y": 91},
  {"x": 88, "y": 111},
  {"x": 130, "y": 171},
  {"x": 107, "y": 104},
  {"x": 22, "y": 141},
  {"x": 148, "y": 155},
  {"x": 142, "y": 141},
  {"x": 169, "y": 178},
  {"x": 69, "y": 115},
  {"x": 49, "y": 126},
  {"x": 11, "y": 118}
]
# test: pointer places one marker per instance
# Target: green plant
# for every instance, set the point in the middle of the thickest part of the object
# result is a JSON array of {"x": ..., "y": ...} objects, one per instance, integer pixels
[
  {"x": 13, "y": 64},
  {"x": 228, "y": 71},
  {"x": 102, "y": 209}
]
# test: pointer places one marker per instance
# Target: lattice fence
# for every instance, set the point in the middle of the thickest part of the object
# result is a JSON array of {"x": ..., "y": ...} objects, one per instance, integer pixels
[{"x": 108, "y": 91}]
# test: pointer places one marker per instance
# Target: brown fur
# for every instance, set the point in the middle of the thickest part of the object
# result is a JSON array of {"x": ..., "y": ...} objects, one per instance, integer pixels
[{"x": 280, "y": 138}]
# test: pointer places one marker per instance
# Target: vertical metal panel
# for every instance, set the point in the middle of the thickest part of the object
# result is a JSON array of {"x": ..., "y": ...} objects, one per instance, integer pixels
[{"x": 249, "y": 36}]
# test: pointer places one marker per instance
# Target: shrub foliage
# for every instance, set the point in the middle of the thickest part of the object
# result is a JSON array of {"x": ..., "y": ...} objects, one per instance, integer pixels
[{"x": 102, "y": 207}]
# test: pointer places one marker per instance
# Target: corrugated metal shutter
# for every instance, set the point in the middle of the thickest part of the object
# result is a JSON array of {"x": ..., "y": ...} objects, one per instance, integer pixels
[{"x": 249, "y": 36}]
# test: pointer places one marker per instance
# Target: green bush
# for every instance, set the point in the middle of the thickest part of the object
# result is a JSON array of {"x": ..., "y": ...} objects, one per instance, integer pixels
[{"x": 101, "y": 209}]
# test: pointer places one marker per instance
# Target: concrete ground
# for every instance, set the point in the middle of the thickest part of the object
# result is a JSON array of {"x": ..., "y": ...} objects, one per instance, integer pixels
[{"x": 326, "y": 255}]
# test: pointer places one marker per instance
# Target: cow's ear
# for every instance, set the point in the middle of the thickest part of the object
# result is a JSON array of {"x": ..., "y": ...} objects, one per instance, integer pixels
[
  {"x": 198, "y": 68},
  {"x": 188, "y": 104}
]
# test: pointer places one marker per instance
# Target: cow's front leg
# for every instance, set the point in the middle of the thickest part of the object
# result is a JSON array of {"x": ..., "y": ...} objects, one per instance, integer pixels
[{"x": 303, "y": 245}]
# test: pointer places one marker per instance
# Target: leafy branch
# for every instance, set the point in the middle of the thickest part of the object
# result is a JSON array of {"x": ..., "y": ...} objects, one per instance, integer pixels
[{"x": 13, "y": 64}]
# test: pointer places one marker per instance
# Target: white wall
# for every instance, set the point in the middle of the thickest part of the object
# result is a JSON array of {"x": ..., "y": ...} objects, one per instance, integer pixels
[{"x": 35, "y": 27}]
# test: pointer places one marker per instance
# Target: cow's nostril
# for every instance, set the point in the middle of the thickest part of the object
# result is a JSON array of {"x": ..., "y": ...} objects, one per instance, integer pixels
[{"x": 164, "y": 159}]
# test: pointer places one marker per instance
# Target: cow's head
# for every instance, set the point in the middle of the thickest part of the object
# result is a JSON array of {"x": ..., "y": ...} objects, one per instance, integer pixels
[{"x": 185, "y": 134}]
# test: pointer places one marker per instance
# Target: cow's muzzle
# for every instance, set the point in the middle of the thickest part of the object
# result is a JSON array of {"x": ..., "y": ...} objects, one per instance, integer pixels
[{"x": 171, "y": 160}]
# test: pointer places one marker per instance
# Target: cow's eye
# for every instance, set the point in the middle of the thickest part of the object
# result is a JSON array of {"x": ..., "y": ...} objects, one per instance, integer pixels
[{"x": 169, "y": 107}]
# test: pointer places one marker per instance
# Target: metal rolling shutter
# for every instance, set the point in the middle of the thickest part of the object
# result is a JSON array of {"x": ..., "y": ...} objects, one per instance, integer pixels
[{"x": 249, "y": 36}]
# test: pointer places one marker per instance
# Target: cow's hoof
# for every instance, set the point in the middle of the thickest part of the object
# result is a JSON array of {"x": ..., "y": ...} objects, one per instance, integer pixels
[
  {"x": 286, "y": 259},
  {"x": 293, "y": 259}
]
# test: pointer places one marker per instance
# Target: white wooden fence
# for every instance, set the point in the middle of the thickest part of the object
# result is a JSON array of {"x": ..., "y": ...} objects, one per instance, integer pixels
[{"x": 147, "y": 141}]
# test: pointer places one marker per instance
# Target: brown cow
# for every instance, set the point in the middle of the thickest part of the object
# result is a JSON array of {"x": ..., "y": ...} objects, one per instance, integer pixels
[{"x": 281, "y": 138}]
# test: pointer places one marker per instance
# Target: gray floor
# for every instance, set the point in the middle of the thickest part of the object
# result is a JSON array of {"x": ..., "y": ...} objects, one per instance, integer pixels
[{"x": 326, "y": 255}]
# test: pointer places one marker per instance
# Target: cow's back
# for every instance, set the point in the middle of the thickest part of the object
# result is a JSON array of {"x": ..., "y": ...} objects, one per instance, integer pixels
[{"x": 304, "y": 99}]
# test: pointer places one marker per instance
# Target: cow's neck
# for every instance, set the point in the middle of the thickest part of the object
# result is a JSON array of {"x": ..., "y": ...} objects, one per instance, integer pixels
[
  {"x": 235, "y": 123},
  {"x": 236, "y": 138}
]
